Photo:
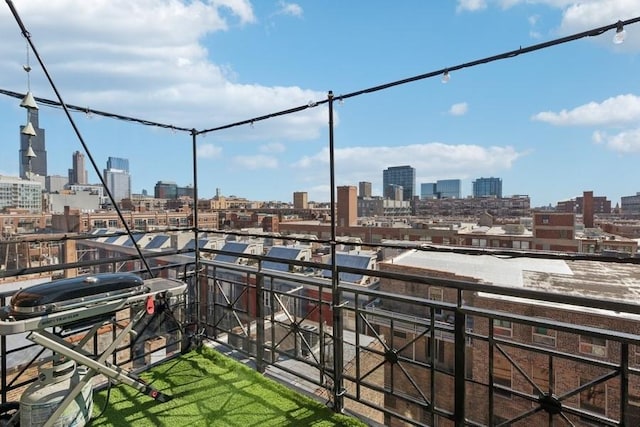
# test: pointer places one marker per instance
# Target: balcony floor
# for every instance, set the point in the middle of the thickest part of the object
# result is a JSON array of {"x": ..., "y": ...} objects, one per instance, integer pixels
[{"x": 210, "y": 389}]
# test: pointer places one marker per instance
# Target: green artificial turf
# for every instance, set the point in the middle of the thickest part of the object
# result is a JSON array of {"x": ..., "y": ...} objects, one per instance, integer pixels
[{"x": 210, "y": 389}]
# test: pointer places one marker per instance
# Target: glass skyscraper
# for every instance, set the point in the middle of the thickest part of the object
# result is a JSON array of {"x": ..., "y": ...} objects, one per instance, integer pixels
[
  {"x": 403, "y": 176},
  {"x": 448, "y": 188},
  {"x": 484, "y": 187},
  {"x": 117, "y": 178}
]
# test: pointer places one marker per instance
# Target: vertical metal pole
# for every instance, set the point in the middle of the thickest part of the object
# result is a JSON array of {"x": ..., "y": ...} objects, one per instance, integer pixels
[
  {"x": 338, "y": 390},
  {"x": 260, "y": 312},
  {"x": 199, "y": 288},
  {"x": 624, "y": 383},
  {"x": 460, "y": 347}
]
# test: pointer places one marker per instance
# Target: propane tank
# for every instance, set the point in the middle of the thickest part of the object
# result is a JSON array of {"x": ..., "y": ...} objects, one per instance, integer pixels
[{"x": 40, "y": 400}]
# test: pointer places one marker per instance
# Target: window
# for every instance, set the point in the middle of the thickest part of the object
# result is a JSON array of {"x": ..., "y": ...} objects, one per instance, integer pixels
[
  {"x": 502, "y": 376},
  {"x": 593, "y": 398},
  {"x": 399, "y": 334},
  {"x": 540, "y": 376},
  {"x": 544, "y": 336},
  {"x": 502, "y": 328},
  {"x": 593, "y": 346},
  {"x": 479, "y": 242}
]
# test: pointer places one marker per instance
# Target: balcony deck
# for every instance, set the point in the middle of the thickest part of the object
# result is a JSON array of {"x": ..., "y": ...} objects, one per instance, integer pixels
[
  {"x": 210, "y": 389},
  {"x": 418, "y": 341}
]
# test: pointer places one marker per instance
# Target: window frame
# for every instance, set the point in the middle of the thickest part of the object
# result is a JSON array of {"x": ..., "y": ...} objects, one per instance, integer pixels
[
  {"x": 544, "y": 337},
  {"x": 590, "y": 348},
  {"x": 501, "y": 329}
]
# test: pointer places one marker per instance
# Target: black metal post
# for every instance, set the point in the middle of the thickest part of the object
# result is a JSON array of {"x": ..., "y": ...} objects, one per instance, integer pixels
[
  {"x": 338, "y": 392},
  {"x": 460, "y": 347},
  {"x": 260, "y": 312},
  {"x": 196, "y": 278}
]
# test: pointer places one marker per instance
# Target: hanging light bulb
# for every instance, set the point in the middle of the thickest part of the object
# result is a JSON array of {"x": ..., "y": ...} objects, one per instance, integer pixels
[
  {"x": 620, "y": 34},
  {"x": 28, "y": 130},
  {"x": 30, "y": 153},
  {"x": 29, "y": 101},
  {"x": 446, "y": 77}
]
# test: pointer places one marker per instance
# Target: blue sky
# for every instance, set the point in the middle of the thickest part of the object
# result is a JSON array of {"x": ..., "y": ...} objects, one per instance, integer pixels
[{"x": 551, "y": 124}]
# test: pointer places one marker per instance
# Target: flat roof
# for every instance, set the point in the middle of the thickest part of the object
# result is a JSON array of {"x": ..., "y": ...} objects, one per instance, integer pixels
[{"x": 593, "y": 279}]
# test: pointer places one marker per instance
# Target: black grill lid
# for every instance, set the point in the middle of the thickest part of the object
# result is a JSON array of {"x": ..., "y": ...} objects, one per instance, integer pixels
[{"x": 73, "y": 289}]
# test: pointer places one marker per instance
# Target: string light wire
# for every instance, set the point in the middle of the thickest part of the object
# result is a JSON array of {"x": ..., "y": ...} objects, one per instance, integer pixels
[{"x": 311, "y": 104}]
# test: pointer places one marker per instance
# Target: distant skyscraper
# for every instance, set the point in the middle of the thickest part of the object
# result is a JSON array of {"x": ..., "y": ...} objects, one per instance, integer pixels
[
  {"x": 118, "y": 163},
  {"x": 484, "y": 187},
  {"x": 365, "y": 189},
  {"x": 117, "y": 178},
  {"x": 428, "y": 190},
  {"x": 165, "y": 190},
  {"x": 38, "y": 163},
  {"x": 448, "y": 188},
  {"x": 78, "y": 173},
  {"x": 404, "y": 176}
]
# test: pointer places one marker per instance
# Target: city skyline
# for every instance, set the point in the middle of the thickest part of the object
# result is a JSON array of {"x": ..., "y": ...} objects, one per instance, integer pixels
[{"x": 551, "y": 124}]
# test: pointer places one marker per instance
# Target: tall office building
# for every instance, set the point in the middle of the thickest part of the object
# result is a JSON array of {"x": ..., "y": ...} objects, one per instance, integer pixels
[
  {"x": 165, "y": 190},
  {"x": 347, "y": 214},
  {"x": 118, "y": 163},
  {"x": 485, "y": 187},
  {"x": 39, "y": 162},
  {"x": 117, "y": 178},
  {"x": 404, "y": 176},
  {"x": 448, "y": 188},
  {"x": 78, "y": 173},
  {"x": 364, "y": 189},
  {"x": 428, "y": 190},
  {"x": 300, "y": 200}
]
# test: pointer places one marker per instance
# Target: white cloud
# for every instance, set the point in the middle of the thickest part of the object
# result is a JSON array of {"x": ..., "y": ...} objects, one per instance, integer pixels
[
  {"x": 208, "y": 151},
  {"x": 617, "y": 110},
  {"x": 291, "y": 9},
  {"x": 256, "y": 162},
  {"x": 440, "y": 160},
  {"x": 577, "y": 16},
  {"x": 623, "y": 142},
  {"x": 432, "y": 161},
  {"x": 146, "y": 59},
  {"x": 459, "y": 109},
  {"x": 471, "y": 5},
  {"x": 581, "y": 15}
]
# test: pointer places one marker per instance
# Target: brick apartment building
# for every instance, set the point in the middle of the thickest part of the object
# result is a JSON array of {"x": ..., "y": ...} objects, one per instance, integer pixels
[{"x": 525, "y": 359}]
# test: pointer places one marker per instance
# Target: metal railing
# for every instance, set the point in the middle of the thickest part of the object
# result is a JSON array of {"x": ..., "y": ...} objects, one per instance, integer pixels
[{"x": 482, "y": 355}]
